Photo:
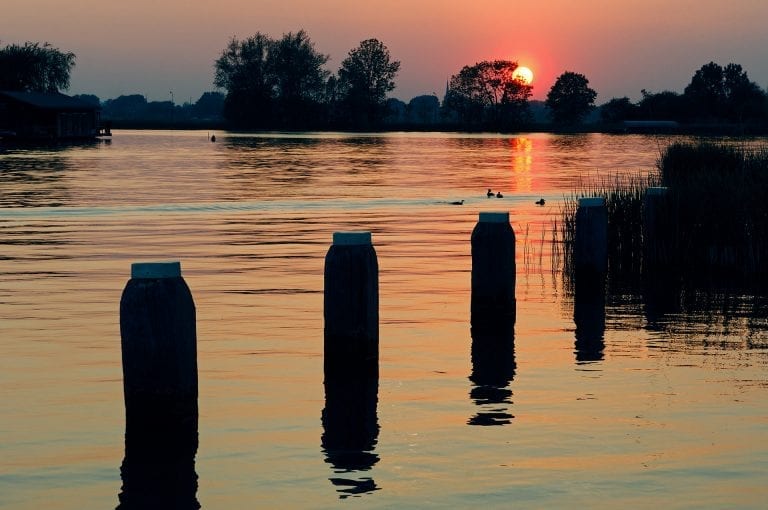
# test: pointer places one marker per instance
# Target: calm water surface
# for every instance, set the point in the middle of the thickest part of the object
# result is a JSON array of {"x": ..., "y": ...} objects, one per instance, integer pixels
[{"x": 672, "y": 413}]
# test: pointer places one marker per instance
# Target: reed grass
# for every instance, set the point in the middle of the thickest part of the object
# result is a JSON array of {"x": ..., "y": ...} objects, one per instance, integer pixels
[
  {"x": 623, "y": 198},
  {"x": 718, "y": 202},
  {"x": 714, "y": 218},
  {"x": 533, "y": 249}
]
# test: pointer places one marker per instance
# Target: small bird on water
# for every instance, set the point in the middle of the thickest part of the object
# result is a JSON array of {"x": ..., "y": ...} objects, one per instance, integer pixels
[
  {"x": 490, "y": 193},
  {"x": 458, "y": 202},
  {"x": 540, "y": 201},
  {"x": 499, "y": 195}
]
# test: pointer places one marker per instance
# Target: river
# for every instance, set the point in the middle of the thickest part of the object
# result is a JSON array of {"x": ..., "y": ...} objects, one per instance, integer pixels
[{"x": 671, "y": 413}]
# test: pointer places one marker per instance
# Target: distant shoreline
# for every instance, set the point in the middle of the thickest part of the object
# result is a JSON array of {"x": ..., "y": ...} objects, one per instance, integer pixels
[{"x": 682, "y": 129}]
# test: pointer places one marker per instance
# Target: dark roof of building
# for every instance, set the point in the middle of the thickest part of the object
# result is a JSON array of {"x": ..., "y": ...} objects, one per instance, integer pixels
[{"x": 49, "y": 101}]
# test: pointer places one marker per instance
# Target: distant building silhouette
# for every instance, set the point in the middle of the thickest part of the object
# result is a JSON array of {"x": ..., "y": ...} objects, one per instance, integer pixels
[{"x": 47, "y": 116}]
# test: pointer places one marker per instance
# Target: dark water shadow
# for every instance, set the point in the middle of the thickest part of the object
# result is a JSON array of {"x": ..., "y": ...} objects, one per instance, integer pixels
[
  {"x": 661, "y": 301},
  {"x": 493, "y": 369},
  {"x": 350, "y": 433},
  {"x": 158, "y": 470}
]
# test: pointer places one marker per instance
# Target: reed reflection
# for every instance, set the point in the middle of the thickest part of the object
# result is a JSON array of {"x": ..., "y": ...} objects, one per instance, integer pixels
[
  {"x": 661, "y": 300},
  {"x": 350, "y": 433},
  {"x": 158, "y": 471},
  {"x": 493, "y": 369}
]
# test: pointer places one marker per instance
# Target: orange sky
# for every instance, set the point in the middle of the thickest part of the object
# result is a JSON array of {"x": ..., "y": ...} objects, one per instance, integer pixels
[{"x": 158, "y": 46}]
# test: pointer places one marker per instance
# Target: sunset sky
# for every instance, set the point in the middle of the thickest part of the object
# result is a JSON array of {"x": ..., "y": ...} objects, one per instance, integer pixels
[{"x": 622, "y": 46}]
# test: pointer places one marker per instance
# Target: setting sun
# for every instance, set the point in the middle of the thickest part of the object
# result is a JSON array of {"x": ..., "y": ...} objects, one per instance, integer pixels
[{"x": 523, "y": 74}]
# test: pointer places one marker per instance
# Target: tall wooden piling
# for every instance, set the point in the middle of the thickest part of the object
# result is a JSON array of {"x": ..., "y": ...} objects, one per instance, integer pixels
[
  {"x": 493, "y": 271},
  {"x": 591, "y": 267},
  {"x": 591, "y": 243},
  {"x": 159, "y": 347},
  {"x": 351, "y": 307}
]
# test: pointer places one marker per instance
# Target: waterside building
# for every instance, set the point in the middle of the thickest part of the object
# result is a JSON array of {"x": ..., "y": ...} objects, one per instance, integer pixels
[{"x": 48, "y": 116}]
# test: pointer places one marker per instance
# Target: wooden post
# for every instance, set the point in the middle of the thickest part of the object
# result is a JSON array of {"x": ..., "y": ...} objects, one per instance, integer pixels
[
  {"x": 351, "y": 307},
  {"x": 159, "y": 344},
  {"x": 591, "y": 243},
  {"x": 159, "y": 350},
  {"x": 591, "y": 266},
  {"x": 493, "y": 271}
]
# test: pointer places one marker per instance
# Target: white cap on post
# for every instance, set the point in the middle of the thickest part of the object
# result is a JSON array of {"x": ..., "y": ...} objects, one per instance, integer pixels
[
  {"x": 351, "y": 238},
  {"x": 494, "y": 217},
  {"x": 156, "y": 269}
]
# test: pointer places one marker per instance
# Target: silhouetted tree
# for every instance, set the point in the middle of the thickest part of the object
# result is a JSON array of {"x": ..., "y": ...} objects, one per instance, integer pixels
[
  {"x": 272, "y": 83},
  {"x": 365, "y": 77},
  {"x": 745, "y": 99},
  {"x": 665, "y": 105},
  {"x": 395, "y": 111},
  {"x": 35, "y": 68},
  {"x": 89, "y": 98},
  {"x": 160, "y": 111},
  {"x": 136, "y": 108},
  {"x": 487, "y": 94},
  {"x": 618, "y": 109},
  {"x": 298, "y": 77},
  {"x": 717, "y": 93},
  {"x": 707, "y": 91},
  {"x": 423, "y": 109},
  {"x": 243, "y": 70},
  {"x": 131, "y": 106},
  {"x": 209, "y": 106},
  {"x": 332, "y": 98},
  {"x": 465, "y": 97},
  {"x": 331, "y": 92},
  {"x": 570, "y": 98}
]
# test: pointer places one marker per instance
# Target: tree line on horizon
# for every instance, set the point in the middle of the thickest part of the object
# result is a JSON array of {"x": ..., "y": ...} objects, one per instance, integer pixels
[
  {"x": 283, "y": 84},
  {"x": 715, "y": 94}
]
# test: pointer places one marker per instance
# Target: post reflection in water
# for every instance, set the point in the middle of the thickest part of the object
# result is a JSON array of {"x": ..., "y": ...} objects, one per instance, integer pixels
[
  {"x": 350, "y": 432},
  {"x": 493, "y": 369},
  {"x": 158, "y": 470},
  {"x": 589, "y": 317}
]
